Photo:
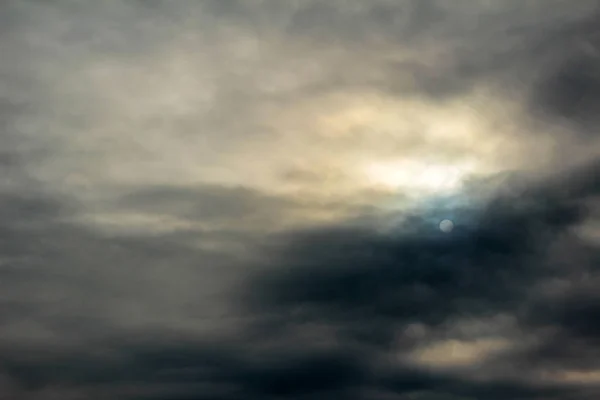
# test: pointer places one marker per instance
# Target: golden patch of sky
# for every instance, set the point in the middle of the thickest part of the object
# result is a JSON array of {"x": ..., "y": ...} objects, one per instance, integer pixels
[{"x": 262, "y": 110}]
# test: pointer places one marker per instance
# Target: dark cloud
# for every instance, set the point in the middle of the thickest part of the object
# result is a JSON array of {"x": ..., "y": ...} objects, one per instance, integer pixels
[
  {"x": 363, "y": 288},
  {"x": 478, "y": 44},
  {"x": 569, "y": 88},
  {"x": 370, "y": 286},
  {"x": 489, "y": 255},
  {"x": 210, "y": 370},
  {"x": 202, "y": 303},
  {"x": 572, "y": 91}
]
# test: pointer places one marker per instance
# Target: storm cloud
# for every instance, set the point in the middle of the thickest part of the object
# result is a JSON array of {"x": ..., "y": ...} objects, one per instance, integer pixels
[{"x": 240, "y": 200}]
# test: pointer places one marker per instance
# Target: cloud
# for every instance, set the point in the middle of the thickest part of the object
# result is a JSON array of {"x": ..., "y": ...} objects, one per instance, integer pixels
[
  {"x": 322, "y": 315},
  {"x": 568, "y": 90},
  {"x": 369, "y": 286},
  {"x": 224, "y": 199}
]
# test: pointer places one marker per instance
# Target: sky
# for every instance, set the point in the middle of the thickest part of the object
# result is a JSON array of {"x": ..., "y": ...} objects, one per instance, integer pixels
[{"x": 240, "y": 199}]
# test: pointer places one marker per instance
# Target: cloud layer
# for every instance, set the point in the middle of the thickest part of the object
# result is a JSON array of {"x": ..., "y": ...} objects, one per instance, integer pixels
[{"x": 240, "y": 199}]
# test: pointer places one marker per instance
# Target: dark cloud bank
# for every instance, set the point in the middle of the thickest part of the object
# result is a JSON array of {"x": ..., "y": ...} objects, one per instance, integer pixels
[
  {"x": 320, "y": 313},
  {"x": 324, "y": 314}
]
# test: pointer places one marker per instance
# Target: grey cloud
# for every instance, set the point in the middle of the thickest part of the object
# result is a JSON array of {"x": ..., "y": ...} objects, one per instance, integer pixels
[
  {"x": 209, "y": 370},
  {"x": 308, "y": 313},
  {"x": 508, "y": 45},
  {"x": 364, "y": 287},
  {"x": 571, "y": 91},
  {"x": 207, "y": 203},
  {"x": 368, "y": 286},
  {"x": 481, "y": 42},
  {"x": 68, "y": 283}
]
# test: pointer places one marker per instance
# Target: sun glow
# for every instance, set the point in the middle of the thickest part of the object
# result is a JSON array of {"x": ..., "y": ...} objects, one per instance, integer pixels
[{"x": 420, "y": 177}]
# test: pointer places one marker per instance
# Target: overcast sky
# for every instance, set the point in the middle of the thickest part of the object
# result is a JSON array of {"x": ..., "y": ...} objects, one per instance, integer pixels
[{"x": 223, "y": 199}]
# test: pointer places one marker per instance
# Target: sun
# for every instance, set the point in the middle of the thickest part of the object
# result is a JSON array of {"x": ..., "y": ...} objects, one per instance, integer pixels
[{"x": 418, "y": 177}]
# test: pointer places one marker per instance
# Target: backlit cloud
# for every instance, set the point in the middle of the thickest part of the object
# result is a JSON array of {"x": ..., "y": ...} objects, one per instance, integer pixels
[{"x": 226, "y": 199}]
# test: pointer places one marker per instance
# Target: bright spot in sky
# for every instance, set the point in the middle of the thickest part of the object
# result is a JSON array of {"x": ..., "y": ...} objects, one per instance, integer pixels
[
  {"x": 446, "y": 226},
  {"x": 418, "y": 177}
]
